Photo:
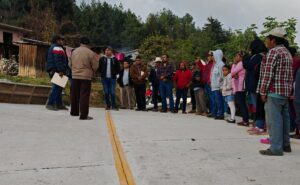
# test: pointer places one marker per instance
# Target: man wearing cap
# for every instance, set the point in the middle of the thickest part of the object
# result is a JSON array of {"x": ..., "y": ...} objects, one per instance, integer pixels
[
  {"x": 109, "y": 68},
  {"x": 155, "y": 82},
  {"x": 57, "y": 62},
  {"x": 84, "y": 64},
  {"x": 275, "y": 87}
]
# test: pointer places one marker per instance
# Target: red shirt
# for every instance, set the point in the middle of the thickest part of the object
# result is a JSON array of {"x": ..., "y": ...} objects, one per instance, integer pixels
[
  {"x": 183, "y": 78},
  {"x": 207, "y": 71},
  {"x": 296, "y": 66},
  {"x": 201, "y": 67}
]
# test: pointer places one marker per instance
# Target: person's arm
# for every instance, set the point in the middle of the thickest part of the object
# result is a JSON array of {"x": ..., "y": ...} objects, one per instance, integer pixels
[
  {"x": 94, "y": 62},
  {"x": 236, "y": 69},
  {"x": 267, "y": 73},
  {"x": 190, "y": 76}
]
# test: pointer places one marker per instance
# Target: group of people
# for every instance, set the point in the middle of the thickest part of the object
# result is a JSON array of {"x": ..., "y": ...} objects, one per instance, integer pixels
[{"x": 264, "y": 84}]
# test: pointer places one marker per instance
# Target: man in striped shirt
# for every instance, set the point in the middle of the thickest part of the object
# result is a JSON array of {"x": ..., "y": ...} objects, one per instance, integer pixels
[{"x": 275, "y": 86}]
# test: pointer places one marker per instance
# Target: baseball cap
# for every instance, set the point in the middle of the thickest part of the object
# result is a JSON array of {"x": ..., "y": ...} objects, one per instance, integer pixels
[{"x": 277, "y": 32}]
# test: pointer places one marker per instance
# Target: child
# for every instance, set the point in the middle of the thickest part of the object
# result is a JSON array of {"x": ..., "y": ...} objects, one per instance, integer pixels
[{"x": 228, "y": 93}]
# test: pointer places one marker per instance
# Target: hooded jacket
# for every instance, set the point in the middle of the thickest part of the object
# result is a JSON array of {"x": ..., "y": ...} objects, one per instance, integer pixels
[
  {"x": 216, "y": 75},
  {"x": 182, "y": 78}
]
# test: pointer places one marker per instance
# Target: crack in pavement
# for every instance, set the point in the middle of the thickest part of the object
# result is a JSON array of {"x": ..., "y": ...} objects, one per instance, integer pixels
[{"x": 53, "y": 168}]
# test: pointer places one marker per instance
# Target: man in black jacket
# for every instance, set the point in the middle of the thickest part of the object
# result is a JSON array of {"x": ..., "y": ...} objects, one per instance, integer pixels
[
  {"x": 155, "y": 83},
  {"x": 127, "y": 91},
  {"x": 109, "y": 68}
]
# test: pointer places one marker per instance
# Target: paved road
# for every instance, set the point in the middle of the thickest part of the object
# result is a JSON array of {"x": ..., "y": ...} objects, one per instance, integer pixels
[{"x": 39, "y": 147}]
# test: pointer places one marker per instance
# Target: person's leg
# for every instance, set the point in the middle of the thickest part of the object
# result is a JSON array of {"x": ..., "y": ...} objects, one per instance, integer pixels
[
  {"x": 241, "y": 100},
  {"x": 232, "y": 109},
  {"x": 128, "y": 104},
  {"x": 202, "y": 102},
  {"x": 59, "y": 101},
  {"x": 178, "y": 96},
  {"x": 162, "y": 89},
  {"x": 112, "y": 90},
  {"x": 85, "y": 91},
  {"x": 137, "y": 94},
  {"x": 53, "y": 95},
  {"x": 122, "y": 95},
  {"x": 132, "y": 97},
  {"x": 193, "y": 100},
  {"x": 214, "y": 104},
  {"x": 105, "y": 84},
  {"x": 155, "y": 96},
  {"x": 275, "y": 121},
  {"x": 220, "y": 104},
  {"x": 292, "y": 115},
  {"x": 209, "y": 97},
  {"x": 286, "y": 123},
  {"x": 75, "y": 96},
  {"x": 198, "y": 102},
  {"x": 170, "y": 95},
  {"x": 143, "y": 96},
  {"x": 260, "y": 113},
  {"x": 184, "y": 99}
]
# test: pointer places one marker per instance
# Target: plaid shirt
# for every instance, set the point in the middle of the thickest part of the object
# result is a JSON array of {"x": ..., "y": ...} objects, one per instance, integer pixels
[
  {"x": 166, "y": 71},
  {"x": 276, "y": 73}
]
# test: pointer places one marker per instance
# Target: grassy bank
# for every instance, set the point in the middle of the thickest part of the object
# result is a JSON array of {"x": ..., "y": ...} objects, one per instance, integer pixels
[{"x": 96, "y": 99}]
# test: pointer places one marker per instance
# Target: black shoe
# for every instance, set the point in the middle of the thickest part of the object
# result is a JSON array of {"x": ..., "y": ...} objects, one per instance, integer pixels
[
  {"x": 163, "y": 111},
  {"x": 174, "y": 111},
  {"x": 51, "y": 107},
  {"x": 184, "y": 112},
  {"x": 210, "y": 116},
  {"x": 144, "y": 110},
  {"x": 192, "y": 111},
  {"x": 269, "y": 152},
  {"x": 287, "y": 149},
  {"x": 61, "y": 107},
  {"x": 219, "y": 118},
  {"x": 107, "y": 108},
  {"x": 87, "y": 118},
  {"x": 122, "y": 107},
  {"x": 74, "y": 114}
]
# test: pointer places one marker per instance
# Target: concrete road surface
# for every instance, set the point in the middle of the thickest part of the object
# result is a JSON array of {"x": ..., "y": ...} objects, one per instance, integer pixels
[{"x": 40, "y": 147}]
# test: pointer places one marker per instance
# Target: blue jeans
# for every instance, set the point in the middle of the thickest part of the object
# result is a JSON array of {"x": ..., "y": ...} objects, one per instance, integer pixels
[
  {"x": 55, "y": 97},
  {"x": 209, "y": 95},
  {"x": 109, "y": 86},
  {"x": 253, "y": 98},
  {"x": 217, "y": 103},
  {"x": 181, "y": 93},
  {"x": 278, "y": 120},
  {"x": 166, "y": 90}
]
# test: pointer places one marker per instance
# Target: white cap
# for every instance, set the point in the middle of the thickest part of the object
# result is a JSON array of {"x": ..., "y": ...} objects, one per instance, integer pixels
[
  {"x": 277, "y": 32},
  {"x": 158, "y": 59}
]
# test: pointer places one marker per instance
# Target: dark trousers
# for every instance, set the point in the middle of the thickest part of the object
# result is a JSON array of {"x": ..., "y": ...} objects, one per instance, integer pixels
[
  {"x": 240, "y": 99},
  {"x": 193, "y": 99},
  {"x": 155, "y": 89},
  {"x": 140, "y": 94},
  {"x": 181, "y": 93},
  {"x": 80, "y": 97},
  {"x": 260, "y": 113},
  {"x": 55, "y": 97}
]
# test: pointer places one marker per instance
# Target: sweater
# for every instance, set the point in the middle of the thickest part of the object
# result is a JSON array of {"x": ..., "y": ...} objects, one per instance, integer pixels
[
  {"x": 83, "y": 63},
  {"x": 238, "y": 82},
  {"x": 182, "y": 78},
  {"x": 252, "y": 67},
  {"x": 227, "y": 85}
]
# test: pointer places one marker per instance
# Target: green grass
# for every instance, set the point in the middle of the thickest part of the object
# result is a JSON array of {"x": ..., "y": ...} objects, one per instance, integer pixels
[{"x": 27, "y": 80}]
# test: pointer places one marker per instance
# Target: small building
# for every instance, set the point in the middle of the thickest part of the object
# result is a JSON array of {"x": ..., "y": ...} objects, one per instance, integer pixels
[
  {"x": 32, "y": 57},
  {"x": 8, "y": 36}
]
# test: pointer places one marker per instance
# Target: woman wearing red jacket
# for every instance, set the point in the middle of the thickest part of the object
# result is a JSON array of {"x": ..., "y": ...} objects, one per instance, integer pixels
[{"x": 182, "y": 79}]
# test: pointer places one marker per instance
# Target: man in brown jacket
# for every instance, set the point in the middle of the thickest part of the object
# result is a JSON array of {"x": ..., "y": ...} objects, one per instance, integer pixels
[
  {"x": 84, "y": 64},
  {"x": 139, "y": 75}
]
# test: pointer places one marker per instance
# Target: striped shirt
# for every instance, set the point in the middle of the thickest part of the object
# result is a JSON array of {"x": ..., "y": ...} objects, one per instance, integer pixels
[{"x": 276, "y": 73}]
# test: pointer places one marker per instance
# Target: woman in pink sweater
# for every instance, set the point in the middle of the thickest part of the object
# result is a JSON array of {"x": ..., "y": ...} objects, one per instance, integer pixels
[{"x": 238, "y": 74}]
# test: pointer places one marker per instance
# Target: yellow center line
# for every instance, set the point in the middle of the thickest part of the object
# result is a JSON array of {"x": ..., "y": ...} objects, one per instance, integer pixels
[{"x": 122, "y": 167}]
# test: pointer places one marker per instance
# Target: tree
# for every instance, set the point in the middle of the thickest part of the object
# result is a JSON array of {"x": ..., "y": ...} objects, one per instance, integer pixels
[{"x": 289, "y": 25}]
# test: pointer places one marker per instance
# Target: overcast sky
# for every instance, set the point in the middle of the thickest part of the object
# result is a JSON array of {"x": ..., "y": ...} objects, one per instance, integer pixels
[{"x": 234, "y": 14}]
